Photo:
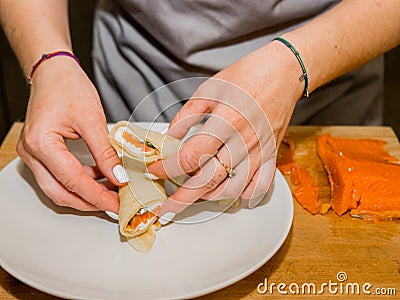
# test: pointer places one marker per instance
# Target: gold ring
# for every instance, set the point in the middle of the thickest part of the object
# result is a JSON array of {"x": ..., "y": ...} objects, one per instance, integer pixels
[{"x": 231, "y": 172}]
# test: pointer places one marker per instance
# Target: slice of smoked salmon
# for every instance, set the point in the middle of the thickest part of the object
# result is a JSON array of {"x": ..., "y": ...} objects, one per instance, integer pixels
[
  {"x": 285, "y": 160},
  {"x": 362, "y": 176},
  {"x": 306, "y": 193}
]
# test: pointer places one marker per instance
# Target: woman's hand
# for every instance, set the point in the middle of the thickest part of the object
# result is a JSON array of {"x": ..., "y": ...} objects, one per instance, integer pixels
[
  {"x": 65, "y": 105},
  {"x": 250, "y": 105}
]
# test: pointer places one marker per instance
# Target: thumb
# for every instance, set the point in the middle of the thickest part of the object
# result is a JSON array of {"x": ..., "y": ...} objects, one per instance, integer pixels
[{"x": 104, "y": 154}]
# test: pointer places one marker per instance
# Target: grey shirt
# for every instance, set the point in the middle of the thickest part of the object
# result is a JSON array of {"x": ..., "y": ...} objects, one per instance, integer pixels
[{"x": 141, "y": 45}]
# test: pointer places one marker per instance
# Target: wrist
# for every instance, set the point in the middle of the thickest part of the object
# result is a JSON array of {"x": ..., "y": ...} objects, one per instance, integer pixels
[
  {"x": 47, "y": 56},
  {"x": 287, "y": 69},
  {"x": 310, "y": 60},
  {"x": 303, "y": 76},
  {"x": 31, "y": 56},
  {"x": 56, "y": 71}
]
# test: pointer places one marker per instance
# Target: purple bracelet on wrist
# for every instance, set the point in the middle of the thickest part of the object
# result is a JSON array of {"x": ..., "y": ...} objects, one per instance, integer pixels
[{"x": 47, "y": 56}]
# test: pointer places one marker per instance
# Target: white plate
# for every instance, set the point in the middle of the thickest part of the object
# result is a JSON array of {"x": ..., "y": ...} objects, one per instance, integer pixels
[{"x": 81, "y": 255}]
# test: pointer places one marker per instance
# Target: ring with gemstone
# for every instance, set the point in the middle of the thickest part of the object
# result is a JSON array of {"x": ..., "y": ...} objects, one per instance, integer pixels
[{"x": 231, "y": 172}]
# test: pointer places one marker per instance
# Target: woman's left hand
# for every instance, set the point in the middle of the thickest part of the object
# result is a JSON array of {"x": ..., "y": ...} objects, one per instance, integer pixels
[{"x": 233, "y": 155}]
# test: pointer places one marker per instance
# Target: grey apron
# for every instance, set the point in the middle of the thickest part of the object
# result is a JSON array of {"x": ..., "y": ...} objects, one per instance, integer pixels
[{"x": 141, "y": 45}]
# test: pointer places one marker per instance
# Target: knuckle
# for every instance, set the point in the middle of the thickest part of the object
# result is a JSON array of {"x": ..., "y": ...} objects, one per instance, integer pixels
[
  {"x": 188, "y": 161},
  {"x": 237, "y": 120},
  {"x": 30, "y": 142},
  {"x": 97, "y": 203},
  {"x": 218, "y": 176},
  {"x": 60, "y": 201},
  {"x": 70, "y": 182},
  {"x": 97, "y": 117},
  {"x": 20, "y": 149},
  {"x": 177, "y": 118},
  {"x": 252, "y": 140},
  {"x": 38, "y": 141},
  {"x": 49, "y": 191},
  {"x": 107, "y": 154},
  {"x": 213, "y": 182}
]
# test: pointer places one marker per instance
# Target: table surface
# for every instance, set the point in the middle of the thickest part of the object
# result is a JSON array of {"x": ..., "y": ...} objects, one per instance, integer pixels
[{"x": 318, "y": 250}]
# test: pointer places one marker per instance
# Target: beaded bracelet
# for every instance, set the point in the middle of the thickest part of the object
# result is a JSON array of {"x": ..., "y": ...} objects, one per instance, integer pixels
[
  {"x": 304, "y": 76},
  {"x": 47, "y": 56}
]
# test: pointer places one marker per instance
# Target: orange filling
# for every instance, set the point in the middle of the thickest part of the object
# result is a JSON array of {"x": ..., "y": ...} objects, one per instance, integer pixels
[
  {"x": 143, "y": 218},
  {"x": 134, "y": 141}
]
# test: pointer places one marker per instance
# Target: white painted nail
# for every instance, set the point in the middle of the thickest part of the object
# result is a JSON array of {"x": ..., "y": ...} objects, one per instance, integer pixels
[
  {"x": 112, "y": 215},
  {"x": 151, "y": 176},
  {"x": 120, "y": 174},
  {"x": 253, "y": 202},
  {"x": 166, "y": 218}
]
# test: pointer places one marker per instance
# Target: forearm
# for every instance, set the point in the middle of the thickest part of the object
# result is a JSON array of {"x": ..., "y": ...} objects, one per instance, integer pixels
[
  {"x": 346, "y": 37},
  {"x": 35, "y": 27}
]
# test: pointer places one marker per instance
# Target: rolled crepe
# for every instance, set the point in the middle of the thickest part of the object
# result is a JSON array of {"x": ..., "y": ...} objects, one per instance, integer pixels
[
  {"x": 142, "y": 198},
  {"x": 140, "y": 201},
  {"x": 135, "y": 142},
  {"x": 144, "y": 242}
]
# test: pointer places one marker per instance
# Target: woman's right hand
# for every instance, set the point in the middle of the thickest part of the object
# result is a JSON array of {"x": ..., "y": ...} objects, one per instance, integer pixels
[{"x": 64, "y": 104}]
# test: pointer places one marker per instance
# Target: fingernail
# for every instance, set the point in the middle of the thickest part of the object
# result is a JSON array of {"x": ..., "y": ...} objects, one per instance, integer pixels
[
  {"x": 253, "y": 202},
  {"x": 166, "y": 218},
  {"x": 120, "y": 174},
  {"x": 151, "y": 176},
  {"x": 112, "y": 215}
]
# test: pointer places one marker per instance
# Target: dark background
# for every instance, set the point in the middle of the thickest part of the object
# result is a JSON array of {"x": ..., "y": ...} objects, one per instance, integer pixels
[{"x": 14, "y": 91}]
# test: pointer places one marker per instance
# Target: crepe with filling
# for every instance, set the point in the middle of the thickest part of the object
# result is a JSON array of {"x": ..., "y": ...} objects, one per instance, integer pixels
[
  {"x": 133, "y": 141},
  {"x": 141, "y": 199}
]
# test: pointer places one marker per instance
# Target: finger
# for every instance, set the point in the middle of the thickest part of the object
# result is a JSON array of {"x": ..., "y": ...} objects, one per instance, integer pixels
[
  {"x": 65, "y": 167},
  {"x": 249, "y": 183},
  {"x": 213, "y": 92},
  {"x": 245, "y": 165},
  {"x": 210, "y": 176},
  {"x": 108, "y": 186},
  {"x": 52, "y": 187},
  {"x": 248, "y": 155},
  {"x": 93, "y": 171},
  {"x": 260, "y": 183},
  {"x": 231, "y": 187},
  {"x": 189, "y": 115},
  {"x": 107, "y": 161},
  {"x": 191, "y": 156}
]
